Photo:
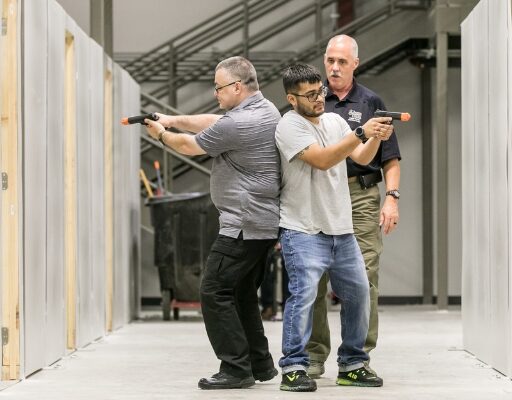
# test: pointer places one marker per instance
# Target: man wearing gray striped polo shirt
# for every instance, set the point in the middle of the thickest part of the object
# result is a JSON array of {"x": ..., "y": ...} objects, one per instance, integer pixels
[{"x": 245, "y": 189}]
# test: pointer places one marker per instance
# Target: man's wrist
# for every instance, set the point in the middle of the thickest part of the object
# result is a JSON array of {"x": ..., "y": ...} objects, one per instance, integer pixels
[
  {"x": 161, "y": 136},
  {"x": 394, "y": 193}
]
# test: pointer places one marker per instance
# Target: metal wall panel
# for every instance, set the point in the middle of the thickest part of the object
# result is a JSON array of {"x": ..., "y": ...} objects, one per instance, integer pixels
[
  {"x": 97, "y": 317},
  {"x": 34, "y": 182},
  {"x": 500, "y": 349},
  {"x": 55, "y": 288}
]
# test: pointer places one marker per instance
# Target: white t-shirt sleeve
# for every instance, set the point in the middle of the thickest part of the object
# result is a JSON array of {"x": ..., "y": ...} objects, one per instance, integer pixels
[
  {"x": 293, "y": 135},
  {"x": 345, "y": 128}
]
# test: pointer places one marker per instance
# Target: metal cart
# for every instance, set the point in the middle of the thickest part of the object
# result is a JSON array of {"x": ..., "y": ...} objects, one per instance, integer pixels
[{"x": 185, "y": 227}]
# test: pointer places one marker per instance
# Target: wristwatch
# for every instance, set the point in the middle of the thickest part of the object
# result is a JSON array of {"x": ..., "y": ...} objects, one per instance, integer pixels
[
  {"x": 393, "y": 193},
  {"x": 360, "y": 134}
]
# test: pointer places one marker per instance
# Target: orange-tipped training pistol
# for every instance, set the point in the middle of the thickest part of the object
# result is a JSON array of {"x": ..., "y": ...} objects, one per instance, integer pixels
[
  {"x": 400, "y": 116},
  {"x": 139, "y": 119}
]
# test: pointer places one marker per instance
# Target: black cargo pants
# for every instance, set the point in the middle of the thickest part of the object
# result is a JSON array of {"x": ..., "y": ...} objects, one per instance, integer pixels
[{"x": 229, "y": 302}]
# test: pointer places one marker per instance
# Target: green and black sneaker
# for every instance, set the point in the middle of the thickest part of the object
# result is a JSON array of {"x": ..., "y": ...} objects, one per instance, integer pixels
[
  {"x": 359, "y": 377},
  {"x": 297, "y": 381}
]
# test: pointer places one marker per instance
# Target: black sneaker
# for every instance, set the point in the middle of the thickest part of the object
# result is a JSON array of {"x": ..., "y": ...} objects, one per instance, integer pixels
[
  {"x": 359, "y": 377},
  {"x": 223, "y": 380},
  {"x": 297, "y": 381},
  {"x": 267, "y": 375}
]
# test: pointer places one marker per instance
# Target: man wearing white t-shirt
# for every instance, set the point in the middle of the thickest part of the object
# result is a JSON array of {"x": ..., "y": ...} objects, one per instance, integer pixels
[{"x": 316, "y": 226}]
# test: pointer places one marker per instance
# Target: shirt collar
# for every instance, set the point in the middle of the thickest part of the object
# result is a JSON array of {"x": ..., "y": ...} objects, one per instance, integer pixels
[
  {"x": 351, "y": 97},
  {"x": 249, "y": 99}
]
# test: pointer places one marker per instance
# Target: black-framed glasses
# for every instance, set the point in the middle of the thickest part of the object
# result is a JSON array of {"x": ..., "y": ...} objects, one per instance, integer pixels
[
  {"x": 217, "y": 88},
  {"x": 312, "y": 96}
]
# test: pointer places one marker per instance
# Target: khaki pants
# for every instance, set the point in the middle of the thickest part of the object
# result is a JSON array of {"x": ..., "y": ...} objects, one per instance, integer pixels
[{"x": 365, "y": 217}]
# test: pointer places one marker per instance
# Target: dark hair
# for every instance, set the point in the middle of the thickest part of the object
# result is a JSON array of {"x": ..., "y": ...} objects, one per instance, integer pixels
[{"x": 295, "y": 74}]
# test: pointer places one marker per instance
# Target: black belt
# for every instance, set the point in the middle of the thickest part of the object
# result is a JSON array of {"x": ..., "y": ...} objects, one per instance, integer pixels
[{"x": 368, "y": 180}]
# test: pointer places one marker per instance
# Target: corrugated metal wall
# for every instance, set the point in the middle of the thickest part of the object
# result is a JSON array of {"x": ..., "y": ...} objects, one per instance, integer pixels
[
  {"x": 44, "y": 313},
  {"x": 487, "y": 183}
]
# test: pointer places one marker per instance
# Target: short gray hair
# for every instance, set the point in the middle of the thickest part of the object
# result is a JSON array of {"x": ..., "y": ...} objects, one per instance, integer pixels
[
  {"x": 240, "y": 68},
  {"x": 344, "y": 38}
]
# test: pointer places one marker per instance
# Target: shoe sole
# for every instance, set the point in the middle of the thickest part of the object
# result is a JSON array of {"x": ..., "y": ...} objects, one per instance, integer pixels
[
  {"x": 345, "y": 382},
  {"x": 287, "y": 388},
  {"x": 243, "y": 384},
  {"x": 265, "y": 376}
]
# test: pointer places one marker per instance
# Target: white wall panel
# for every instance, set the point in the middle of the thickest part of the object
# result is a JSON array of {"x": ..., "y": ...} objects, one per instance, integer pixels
[
  {"x": 84, "y": 209},
  {"x": 509, "y": 181},
  {"x": 124, "y": 104},
  {"x": 43, "y": 309},
  {"x": 498, "y": 262},
  {"x": 120, "y": 227},
  {"x": 469, "y": 241},
  {"x": 454, "y": 184},
  {"x": 97, "y": 316},
  {"x": 55, "y": 294},
  {"x": 34, "y": 181},
  {"x": 487, "y": 102},
  {"x": 133, "y": 105},
  {"x": 482, "y": 177}
]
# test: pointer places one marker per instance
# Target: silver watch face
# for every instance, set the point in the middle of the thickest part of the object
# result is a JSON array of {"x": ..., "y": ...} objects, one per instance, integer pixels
[{"x": 394, "y": 193}]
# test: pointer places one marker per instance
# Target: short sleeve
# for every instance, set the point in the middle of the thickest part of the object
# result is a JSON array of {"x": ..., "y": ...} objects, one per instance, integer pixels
[
  {"x": 345, "y": 127},
  {"x": 293, "y": 136},
  {"x": 220, "y": 137}
]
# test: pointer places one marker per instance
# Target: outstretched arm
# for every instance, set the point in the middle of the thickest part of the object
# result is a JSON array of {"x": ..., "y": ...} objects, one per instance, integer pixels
[
  {"x": 376, "y": 129},
  {"x": 188, "y": 123},
  {"x": 181, "y": 142}
]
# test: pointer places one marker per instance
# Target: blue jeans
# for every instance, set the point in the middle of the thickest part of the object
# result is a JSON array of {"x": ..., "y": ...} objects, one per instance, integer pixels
[{"x": 306, "y": 258}]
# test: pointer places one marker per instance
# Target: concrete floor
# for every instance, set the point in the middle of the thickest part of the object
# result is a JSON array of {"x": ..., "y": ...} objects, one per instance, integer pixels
[{"x": 419, "y": 357}]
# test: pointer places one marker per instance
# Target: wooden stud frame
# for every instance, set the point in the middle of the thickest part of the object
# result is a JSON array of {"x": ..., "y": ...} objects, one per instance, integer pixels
[
  {"x": 70, "y": 189},
  {"x": 9, "y": 226}
]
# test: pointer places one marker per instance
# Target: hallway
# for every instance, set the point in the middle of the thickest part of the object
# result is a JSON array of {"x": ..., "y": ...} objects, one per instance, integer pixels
[{"x": 419, "y": 357}]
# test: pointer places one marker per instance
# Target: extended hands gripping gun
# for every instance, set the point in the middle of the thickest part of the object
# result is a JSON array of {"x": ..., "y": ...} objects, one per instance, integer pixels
[
  {"x": 139, "y": 119},
  {"x": 400, "y": 116}
]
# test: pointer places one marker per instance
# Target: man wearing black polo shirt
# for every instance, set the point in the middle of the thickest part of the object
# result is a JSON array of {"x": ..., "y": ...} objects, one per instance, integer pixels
[{"x": 356, "y": 104}]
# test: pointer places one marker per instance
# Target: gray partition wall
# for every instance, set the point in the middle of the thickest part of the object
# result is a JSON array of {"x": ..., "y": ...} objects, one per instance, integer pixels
[
  {"x": 55, "y": 296},
  {"x": 44, "y": 287},
  {"x": 487, "y": 183},
  {"x": 126, "y": 141},
  {"x": 34, "y": 182}
]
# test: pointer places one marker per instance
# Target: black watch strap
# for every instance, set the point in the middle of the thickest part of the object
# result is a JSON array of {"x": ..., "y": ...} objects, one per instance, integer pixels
[
  {"x": 393, "y": 193},
  {"x": 360, "y": 134}
]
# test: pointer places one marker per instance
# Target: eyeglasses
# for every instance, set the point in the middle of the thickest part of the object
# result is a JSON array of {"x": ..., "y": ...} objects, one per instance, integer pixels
[
  {"x": 312, "y": 96},
  {"x": 217, "y": 88}
]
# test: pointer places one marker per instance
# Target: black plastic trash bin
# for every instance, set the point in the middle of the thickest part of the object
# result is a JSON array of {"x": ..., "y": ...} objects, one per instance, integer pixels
[{"x": 185, "y": 227}]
